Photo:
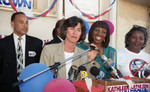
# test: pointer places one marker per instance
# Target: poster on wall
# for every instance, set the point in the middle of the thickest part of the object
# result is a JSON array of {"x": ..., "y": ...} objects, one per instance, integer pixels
[{"x": 87, "y": 6}]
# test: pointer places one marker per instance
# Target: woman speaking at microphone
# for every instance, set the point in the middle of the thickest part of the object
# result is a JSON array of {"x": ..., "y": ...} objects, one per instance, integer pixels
[
  {"x": 99, "y": 36},
  {"x": 72, "y": 31}
]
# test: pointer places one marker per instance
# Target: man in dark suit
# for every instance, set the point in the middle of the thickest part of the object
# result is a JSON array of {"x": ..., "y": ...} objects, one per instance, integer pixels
[
  {"x": 31, "y": 49},
  {"x": 56, "y": 33}
]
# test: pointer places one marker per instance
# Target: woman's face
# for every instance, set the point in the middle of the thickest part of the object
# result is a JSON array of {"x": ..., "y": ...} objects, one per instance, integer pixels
[
  {"x": 73, "y": 33},
  {"x": 99, "y": 35},
  {"x": 136, "y": 41}
]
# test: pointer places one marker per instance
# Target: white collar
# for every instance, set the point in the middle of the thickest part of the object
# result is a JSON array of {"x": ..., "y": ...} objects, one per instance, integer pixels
[{"x": 16, "y": 36}]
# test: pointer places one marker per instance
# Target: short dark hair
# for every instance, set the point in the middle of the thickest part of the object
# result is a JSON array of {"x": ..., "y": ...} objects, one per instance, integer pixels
[
  {"x": 58, "y": 25},
  {"x": 100, "y": 24},
  {"x": 72, "y": 22},
  {"x": 137, "y": 28},
  {"x": 15, "y": 14}
]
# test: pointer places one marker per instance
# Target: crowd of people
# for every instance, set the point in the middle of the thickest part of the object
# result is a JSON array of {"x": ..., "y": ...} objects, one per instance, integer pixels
[{"x": 19, "y": 50}]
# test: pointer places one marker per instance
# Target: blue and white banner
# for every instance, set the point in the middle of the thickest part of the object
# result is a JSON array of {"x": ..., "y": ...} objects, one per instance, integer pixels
[{"x": 17, "y": 3}]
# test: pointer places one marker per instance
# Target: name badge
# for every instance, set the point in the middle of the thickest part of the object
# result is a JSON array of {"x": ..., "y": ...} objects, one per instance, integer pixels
[{"x": 32, "y": 53}]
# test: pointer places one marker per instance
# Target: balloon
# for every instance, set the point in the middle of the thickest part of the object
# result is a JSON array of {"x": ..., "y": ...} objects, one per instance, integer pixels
[
  {"x": 86, "y": 26},
  {"x": 59, "y": 85},
  {"x": 111, "y": 26},
  {"x": 36, "y": 84}
]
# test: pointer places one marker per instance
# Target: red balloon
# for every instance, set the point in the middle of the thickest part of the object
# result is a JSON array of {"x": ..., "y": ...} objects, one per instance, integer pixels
[
  {"x": 59, "y": 85},
  {"x": 111, "y": 26}
]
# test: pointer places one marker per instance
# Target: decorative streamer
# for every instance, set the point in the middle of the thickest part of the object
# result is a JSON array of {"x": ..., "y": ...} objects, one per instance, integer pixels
[
  {"x": 89, "y": 16},
  {"x": 92, "y": 16},
  {"x": 41, "y": 15}
]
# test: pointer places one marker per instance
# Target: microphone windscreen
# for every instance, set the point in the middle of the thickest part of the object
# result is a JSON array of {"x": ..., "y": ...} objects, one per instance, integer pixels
[
  {"x": 82, "y": 68},
  {"x": 108, "y": 63},
  {"x": 94, "y": 71},
  {"x": 73, "y": 73}
]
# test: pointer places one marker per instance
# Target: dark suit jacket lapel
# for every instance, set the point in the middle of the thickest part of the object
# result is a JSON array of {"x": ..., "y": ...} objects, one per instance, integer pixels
[{"x": 27, "y": 48}]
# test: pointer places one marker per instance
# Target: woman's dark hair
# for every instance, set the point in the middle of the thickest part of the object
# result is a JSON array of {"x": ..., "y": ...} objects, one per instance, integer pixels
[
  {"x": 72, "y": 22},
  {"x": 133, "y": 29},
  {"x": 58, "y": 25},
  {"x": 100, "y": 24},
  {"x": 15, "y": 14}
]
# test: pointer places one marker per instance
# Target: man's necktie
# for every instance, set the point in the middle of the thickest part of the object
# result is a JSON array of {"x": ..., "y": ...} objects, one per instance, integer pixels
[{"x": 19, "y": 57}]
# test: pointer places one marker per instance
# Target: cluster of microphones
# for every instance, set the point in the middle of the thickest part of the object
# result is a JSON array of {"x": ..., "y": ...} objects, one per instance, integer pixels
[{"x": 79, "y": 73}]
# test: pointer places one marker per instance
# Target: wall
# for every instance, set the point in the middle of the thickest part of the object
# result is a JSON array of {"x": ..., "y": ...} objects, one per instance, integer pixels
[
  {"x": 129, "y": 14},
  {"x": 41, "y": 27}
]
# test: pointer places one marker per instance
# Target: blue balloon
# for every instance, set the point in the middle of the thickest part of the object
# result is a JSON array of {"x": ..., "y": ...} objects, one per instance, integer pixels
[
  {"x": 35, "y": 84},
  {"x": 86, "y": 25}
]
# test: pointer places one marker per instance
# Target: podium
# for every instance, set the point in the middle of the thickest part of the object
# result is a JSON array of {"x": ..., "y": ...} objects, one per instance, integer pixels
[{"x": 140, "y": 85}]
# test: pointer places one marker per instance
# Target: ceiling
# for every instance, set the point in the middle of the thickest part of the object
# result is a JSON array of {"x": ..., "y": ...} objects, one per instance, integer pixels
[{"x": 142, "y": 2}]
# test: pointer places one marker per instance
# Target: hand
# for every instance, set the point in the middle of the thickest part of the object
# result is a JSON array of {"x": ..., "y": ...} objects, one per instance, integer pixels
[{"x": 92, "y": 54}]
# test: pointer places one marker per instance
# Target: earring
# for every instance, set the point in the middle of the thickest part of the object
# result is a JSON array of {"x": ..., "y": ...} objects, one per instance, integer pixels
[
  {"x": 104, "y": 40},
  {"x": 143, "y": 46}
]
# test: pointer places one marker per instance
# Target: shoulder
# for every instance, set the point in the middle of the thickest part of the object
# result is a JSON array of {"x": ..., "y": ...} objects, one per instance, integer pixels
[
  {"x": 54, "y": 46},
  {"x": 54, "y": 41},
  {"x": 81, "y": 46},
  {"x": 50, "y": 42},
  {"x": 78, "y": 48},
  {"x": 121, "y": 51},
  {"x": 6, "y": 39},
  {"x": 144, "y": 53},
  {"x": 110, "y": 48},
  {"x": 34, "y": 40}
]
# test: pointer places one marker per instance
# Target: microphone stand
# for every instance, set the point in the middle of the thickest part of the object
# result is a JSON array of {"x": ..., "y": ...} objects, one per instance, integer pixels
[{"x": 53, "y": 66}]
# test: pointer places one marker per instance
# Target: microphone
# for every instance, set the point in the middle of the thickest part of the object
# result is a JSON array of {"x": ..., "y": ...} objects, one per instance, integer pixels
[
  {"x": 90, "y": 46},
  {"x": 109, "y": 64},
  {"x": 96, "y": 72},
  {"x": 73, "y": 73},
  {"x": 82, "y": 72}
]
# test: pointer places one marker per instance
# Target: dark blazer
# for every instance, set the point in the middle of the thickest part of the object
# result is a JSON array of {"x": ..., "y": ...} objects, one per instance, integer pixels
[
  {"x": 53, "y": 41},
  {"x": 8, "y": 70}
]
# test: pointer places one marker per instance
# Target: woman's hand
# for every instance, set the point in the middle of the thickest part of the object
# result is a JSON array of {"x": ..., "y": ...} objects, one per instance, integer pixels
[{"x": 92, "y": 54}]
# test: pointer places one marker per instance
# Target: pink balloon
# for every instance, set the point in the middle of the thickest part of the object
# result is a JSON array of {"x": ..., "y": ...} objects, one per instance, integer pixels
[
  {"x": 111, "y": 26},
  {"x": 59, "y": 85}
]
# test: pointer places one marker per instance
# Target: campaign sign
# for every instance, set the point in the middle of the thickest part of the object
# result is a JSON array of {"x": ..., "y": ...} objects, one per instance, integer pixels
[
  {"x": 17, "y": 3},
  {"x": 139, "y": 87}
]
